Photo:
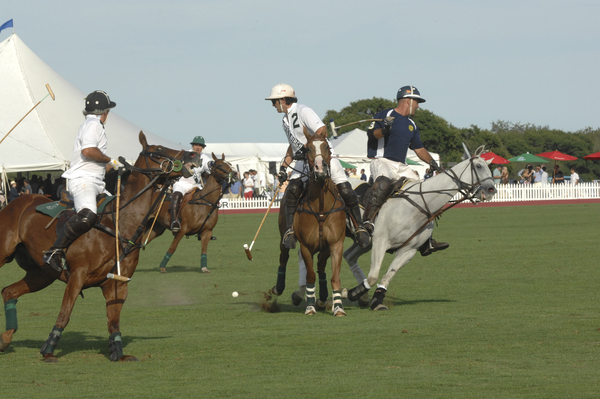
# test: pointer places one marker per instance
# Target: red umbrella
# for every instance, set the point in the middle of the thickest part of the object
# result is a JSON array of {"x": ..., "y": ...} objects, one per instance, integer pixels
[
  {"x": 594, "y": 156},
  {"x": 557, "y": 156},
  {"x": 495, "y": 158}
]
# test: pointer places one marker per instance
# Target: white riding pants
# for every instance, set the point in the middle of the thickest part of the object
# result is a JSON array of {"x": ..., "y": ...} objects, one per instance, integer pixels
[
  {"x": 391, "y": 169},
  {"x": 337, "y": 172},
  {"x": 84, "y": 191}
]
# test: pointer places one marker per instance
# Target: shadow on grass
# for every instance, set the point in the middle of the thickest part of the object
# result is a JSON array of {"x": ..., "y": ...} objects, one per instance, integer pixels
[
  {"x": 400, "y": 301},
  {"x": 173, "y": 269},
  {"x": 72, "y": 342}
]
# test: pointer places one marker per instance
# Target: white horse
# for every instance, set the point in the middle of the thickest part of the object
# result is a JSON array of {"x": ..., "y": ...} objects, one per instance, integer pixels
[{"x": 404, "y": 223}]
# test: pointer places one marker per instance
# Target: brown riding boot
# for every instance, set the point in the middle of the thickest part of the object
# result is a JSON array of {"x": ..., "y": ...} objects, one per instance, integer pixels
[{"x": 175, "y": 205}]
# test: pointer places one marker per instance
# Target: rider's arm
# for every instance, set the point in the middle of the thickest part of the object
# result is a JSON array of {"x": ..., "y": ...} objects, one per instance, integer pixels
[
  {"x": 423, "y": 155},
  {"x": 288, "y": 157}
]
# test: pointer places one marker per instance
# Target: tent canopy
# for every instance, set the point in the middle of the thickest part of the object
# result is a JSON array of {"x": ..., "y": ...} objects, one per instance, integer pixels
[{"x": 44, "y": 139}]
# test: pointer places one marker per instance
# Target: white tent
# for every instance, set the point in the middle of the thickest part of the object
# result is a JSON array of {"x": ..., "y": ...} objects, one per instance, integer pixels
[
  {"x": 43, "y": 141},
  {"x": 351, "y": 147}
]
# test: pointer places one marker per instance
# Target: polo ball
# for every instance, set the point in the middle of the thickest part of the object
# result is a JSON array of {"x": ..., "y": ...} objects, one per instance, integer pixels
[{"x": 234, "y": 294}]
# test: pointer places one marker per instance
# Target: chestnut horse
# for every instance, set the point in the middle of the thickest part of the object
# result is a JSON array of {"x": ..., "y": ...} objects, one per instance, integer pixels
[
  {"x": 199, "y": 212},
  {"x": 92, "y": 256},
  {"x": 319, "y": 225}
]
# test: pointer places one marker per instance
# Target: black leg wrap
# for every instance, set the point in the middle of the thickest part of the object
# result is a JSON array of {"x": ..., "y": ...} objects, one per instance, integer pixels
[
  {"x": 377, "y": 297},
  {"x": 115, "y": 346},
  {"x": 52, "y": 340},
  {"x": 357, "y": 292},
  {"x": 280, "y": 287},
  {"x": 323, "y": 291}
]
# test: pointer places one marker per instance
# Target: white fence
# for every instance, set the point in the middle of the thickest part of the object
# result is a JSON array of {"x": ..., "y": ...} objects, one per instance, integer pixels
[{"x": 506, "y": 193}]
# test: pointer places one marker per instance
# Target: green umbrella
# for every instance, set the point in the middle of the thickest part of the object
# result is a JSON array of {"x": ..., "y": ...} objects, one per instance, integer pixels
[
  {"x": 411, "y": 162},
  {"x": 527, "y": 157},
  {"x": 347, "y": 165}
]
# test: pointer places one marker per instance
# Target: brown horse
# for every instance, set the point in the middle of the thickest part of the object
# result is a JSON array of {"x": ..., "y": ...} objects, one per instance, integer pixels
[
  {"x": 92, "y": 256},
  {"x": 199, "y": 212},
  {"x": 319, "y": 225}
]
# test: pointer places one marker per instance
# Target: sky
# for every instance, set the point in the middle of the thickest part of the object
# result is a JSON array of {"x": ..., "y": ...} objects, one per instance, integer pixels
[{"x": 183, "y": 68}]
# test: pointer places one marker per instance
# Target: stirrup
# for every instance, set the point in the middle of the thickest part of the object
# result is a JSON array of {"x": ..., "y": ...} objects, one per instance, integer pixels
[
  {"x": 54, "y": 258},
  {"x": 289, "y": 239},
  {"x": 175, "y": 226},
  {"x": 363, "y": 237},
  {"x": 369, "y": 226}
]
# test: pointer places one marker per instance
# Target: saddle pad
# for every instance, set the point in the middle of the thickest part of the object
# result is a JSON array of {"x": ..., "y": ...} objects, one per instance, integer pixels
[{"x": 52, "y": 209}]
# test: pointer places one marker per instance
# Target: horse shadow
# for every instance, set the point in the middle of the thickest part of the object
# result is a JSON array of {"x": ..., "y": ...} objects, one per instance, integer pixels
[
  {"x": 174, "y": 269},
  {"x": 72, "y": 342},
  {"x": 402, "y": 302}
]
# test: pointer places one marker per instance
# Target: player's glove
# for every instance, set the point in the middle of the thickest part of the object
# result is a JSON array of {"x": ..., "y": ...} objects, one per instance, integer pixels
[
  {"x": 435, "y": 166},
  {"x": 387, "y": 125},
  {"x": 282, "y": 176},
  {"x": 116, "y": 164}
]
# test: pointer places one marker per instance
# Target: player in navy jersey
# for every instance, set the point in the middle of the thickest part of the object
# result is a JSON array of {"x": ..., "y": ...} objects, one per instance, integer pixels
[{"x": 387, "y": 146}]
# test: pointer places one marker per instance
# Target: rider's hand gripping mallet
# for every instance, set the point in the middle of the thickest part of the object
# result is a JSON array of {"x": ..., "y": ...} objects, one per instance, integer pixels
[
  {"x": 50, "y": 93},
  {"x": 118, "y": 276},
  {"x": 248, "y": 249}
]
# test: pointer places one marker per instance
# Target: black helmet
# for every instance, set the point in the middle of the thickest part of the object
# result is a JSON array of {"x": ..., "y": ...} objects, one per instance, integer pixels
[
  {"x": 409, "y": 92},
  {"x": 98, "y": 102}
]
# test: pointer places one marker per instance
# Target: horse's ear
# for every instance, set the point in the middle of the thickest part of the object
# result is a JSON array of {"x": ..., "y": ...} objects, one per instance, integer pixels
[
  {"x": 489, "y": 161},
  {"x": 305, "y": 130},
  {"x": 479, "y": 151},
  {"x": 223, "y": 155},
  {"x": 214, "y": 157},
  {"x": 143, "y": 140}
]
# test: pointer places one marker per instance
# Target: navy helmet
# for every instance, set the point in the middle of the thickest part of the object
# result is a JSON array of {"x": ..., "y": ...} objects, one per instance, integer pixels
[
  {"x": 409, "y": 92},
  {"x": 98, "y": 102}
]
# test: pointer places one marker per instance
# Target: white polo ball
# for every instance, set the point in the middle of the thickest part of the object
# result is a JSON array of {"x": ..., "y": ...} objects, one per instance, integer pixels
[{"x": 234, "y": 294}]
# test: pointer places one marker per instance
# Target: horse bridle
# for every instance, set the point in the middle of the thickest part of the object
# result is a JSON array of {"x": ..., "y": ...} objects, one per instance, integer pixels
[{"x": 469, "y": 191}]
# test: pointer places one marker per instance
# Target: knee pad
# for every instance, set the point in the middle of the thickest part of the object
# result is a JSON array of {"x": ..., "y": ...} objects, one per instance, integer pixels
[
  {"x": 348, "y": 195},
  {"x": 80, "y": 223},
  {"x": 383, "y": 184},
  {"x": 293, "y": 191}
]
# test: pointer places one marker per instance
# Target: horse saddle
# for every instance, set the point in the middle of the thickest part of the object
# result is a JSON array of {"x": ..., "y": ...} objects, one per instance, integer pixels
[
  {"x": 64, "y": 207},
  {"x": 363, "y": 190}
]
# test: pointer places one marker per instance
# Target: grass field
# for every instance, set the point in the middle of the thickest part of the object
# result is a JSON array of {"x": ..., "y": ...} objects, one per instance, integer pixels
[{"x": 510, "y": 310}]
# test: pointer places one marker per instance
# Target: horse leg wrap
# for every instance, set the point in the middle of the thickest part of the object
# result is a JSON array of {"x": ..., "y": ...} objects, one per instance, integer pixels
[
  {"x": 115, "y": 346},
  {"x": 10, "y": 312},
  {"x": 166, "y": 260},
  {"x": 337, "y": 301},
  {"x": 52, "y": 340},
  {"x": 323, "y": 292},
  {"x": 377, "y": 297},
  {"x": 310, "y": 295},
  {"x": 203, "y": 261},
  {"x": 358, "y": 291},
  {"x": 280, "y": 287}
]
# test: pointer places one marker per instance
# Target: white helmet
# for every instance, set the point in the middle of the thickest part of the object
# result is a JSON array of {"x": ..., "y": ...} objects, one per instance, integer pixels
[{"x": 281, "y": 91}]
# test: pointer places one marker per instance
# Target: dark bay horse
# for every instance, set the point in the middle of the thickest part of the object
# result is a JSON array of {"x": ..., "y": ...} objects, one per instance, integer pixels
[
  {"x": 92, "y": 256},
  {"x": 199, "y": 212},
  {"x": 319, "y": 225}
]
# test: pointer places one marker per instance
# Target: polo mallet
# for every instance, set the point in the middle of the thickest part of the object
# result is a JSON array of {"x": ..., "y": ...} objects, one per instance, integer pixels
[
  {"x": 50, "y": 93},
  {"x": 154, "y": 221},
  {"x": 334, "y": 128},
  {"x": 118, "y": 276},
  {"x": 248, "y": 249}
]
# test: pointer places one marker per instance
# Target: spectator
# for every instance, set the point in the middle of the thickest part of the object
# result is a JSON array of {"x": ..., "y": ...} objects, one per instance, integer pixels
[
  {"x": 574, "y": 177},
  {"x": 504, "y": 176},
  {"x": 234, "y": 189},
  {"x": 13, "y": 193},
  {"x": 353, "y": 174},
  {"x": 26, "y": 187},
  {"x": 248, "y": 184},
  {"x": 363, "y": 176},
  {"x": 527, "y": 174},
  {"x": 537, "y": 175},
  {"x": 558, "y": 177},
  {"x": 544, "y": 176},
  {"x": 48, "y": 185},
  {"x": 497, "y": 175},
  {"x": 35, "y": 186}
]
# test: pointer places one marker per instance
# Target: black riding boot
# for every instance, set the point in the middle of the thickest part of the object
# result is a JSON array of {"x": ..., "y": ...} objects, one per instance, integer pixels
[
  {"x": 77, "y": 225},
  {"x": 351, "y": 201},
  {"x": 292, "y": 198},
  {"x": 175, "y": 205},
  {"x": 430, "y": 246},
  {"x": 375, "y": 200}
]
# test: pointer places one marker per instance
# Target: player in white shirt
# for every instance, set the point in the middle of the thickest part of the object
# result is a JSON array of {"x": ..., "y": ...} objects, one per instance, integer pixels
[
  {"x": 89, "y": 163},
  {"x": 186, "y": 184},
  {"x": 296, "y": 118}
]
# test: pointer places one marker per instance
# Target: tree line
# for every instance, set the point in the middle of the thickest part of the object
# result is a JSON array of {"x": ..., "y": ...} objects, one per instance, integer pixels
[{"x": 506, "y": 139}]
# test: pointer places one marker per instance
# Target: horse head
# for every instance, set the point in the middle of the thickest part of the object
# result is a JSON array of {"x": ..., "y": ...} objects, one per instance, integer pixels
[
  {"x": 482, "y": 176},
  {"x": 222, "y": 170},
  {"x": 171, "y": 163},
  {"x": 318, "y": 155}
]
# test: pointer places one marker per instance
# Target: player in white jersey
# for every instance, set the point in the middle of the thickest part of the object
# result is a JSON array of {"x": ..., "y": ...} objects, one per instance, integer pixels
[
  {"x": 296, "y": 118},
  {"x": 86, "y": 175},
  {"x": 186, "y": 184}
]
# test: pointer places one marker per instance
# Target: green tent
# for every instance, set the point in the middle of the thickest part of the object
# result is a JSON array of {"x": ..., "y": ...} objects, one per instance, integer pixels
[
  {"x": 527, "y": 157},
  {"x": 347, "y": 165}
]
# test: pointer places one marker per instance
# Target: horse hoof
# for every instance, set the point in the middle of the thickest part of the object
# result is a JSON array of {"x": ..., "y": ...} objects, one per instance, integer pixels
[
  {"x": 205, "y": 270},
  {"x": 339, "y": 312},
  {"x": 273, "y": 291},
  {"x": 163, "y": 270},
  {"x": 128, "y": 358},
  {"x": 3, "y": 345},
  {"x": 310, "y": 310},
  {"x": 296, "y": 298},
  {"x": 50, "y": 358},
  {"x": 381, "y": 307},
  {"x": 363, "y": 301},
  {"x": 321, "y": 305}
]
